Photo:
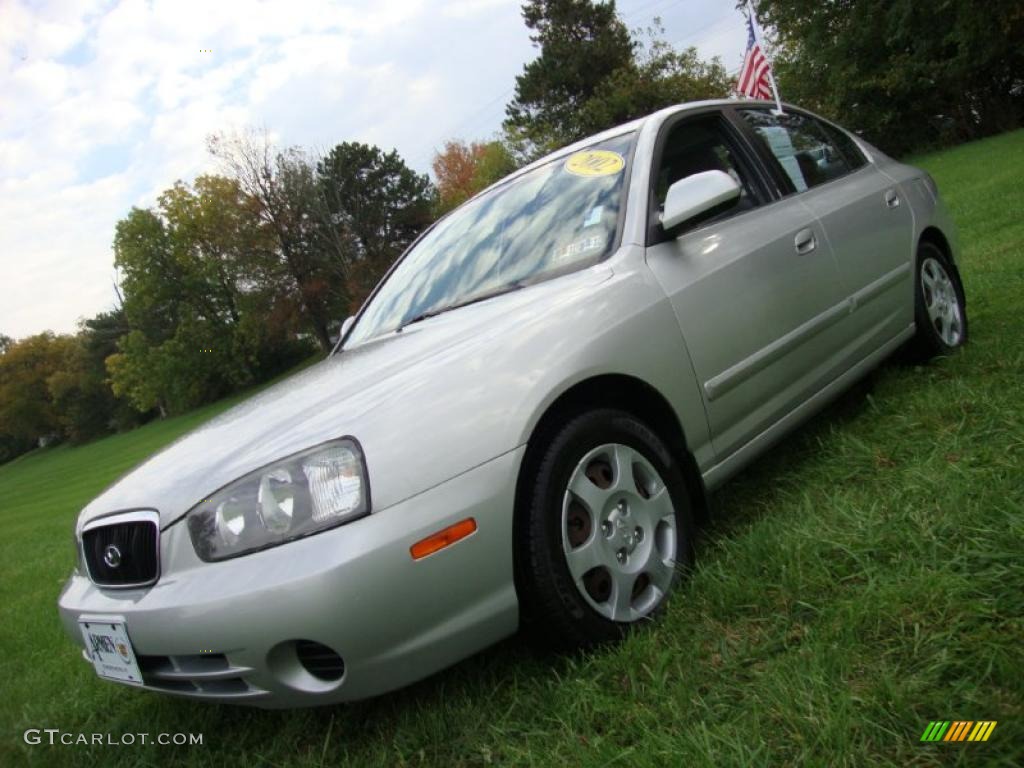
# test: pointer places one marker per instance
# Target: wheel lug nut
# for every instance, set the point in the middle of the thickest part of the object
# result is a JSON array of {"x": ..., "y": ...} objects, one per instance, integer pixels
[
  {"x": 621, "y": 556},
  {"x": 606, "y": 528},
  {"x": 639, "y": 532}
]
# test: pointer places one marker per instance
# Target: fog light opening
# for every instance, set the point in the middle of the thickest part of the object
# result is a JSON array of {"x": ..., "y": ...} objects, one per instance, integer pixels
[{"x": 320, "y": 661}]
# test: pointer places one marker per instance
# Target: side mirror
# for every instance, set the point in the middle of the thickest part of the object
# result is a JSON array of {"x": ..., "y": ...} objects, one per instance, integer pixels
[
  {"x": 345, "y": 326},
  {"x": 691, "y": 196}
]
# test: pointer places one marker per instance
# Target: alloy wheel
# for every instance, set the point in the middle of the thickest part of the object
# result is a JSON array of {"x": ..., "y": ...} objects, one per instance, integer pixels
[{"x": 941, "y": 302}]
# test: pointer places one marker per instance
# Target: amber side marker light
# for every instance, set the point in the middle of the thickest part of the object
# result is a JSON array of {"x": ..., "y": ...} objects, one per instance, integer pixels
[{"x": 443, "y": 538}]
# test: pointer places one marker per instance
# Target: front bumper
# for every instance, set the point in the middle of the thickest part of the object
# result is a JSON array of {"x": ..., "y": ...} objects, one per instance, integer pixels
[{"x": 227, "y": 631}]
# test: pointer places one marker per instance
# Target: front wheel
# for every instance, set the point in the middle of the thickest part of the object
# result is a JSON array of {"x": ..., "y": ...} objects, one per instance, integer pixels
[
  {"x": 940, "y": 311},
  {"x": 609, "y": 530}
]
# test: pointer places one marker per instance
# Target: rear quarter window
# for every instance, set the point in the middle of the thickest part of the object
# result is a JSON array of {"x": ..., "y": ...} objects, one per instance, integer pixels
[{"x": 846, "y": 145}]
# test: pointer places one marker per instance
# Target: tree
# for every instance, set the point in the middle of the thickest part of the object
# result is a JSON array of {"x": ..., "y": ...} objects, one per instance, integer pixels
[
  {"x": 27, "y": 412},
  {"x": 464, "y": 169},
  {"x": 592, "y": 74},
  {"x": 375, "y": 207},
  {"x": 163, "y": 293},
  {"x": 200, "y": 278},
  {"x": 659, "y": 77},
  {"x": 581, "y": 44},
  {"x": 306, "y": 258},
  {"x": 216, "y": 229},
  {"x": 151, "y": 279},
  {"x": 494, "y": 163},
  {"x": 245, "y": 293},
  {"x": 82, "y": 402},
  {"x": 454, "y": 168},
  {"x": 907, "y": 75},
  {"x": 175, "y": 375},
  {"x": 99, "y": 336},
  {"x": 56, "y": 386}
]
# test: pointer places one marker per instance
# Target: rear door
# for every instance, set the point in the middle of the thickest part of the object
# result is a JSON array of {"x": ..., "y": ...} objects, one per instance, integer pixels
[
  {"x": 868, "y": 223},
  {"x": 756, "y": 290}
]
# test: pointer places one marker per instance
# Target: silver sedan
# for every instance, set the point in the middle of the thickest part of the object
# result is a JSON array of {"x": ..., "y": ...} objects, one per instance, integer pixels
[{"x": 525, "y": 419}]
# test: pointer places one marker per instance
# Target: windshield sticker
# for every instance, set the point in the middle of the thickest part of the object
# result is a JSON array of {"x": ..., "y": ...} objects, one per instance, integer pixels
[
  {"x": 594, "y": 217},
  {"x": 577, "y": 247},
  {"x": 595, "y": 162}
]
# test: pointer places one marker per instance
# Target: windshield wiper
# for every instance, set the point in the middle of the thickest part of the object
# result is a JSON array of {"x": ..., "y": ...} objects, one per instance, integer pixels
[{"x": 513, "y": 286}]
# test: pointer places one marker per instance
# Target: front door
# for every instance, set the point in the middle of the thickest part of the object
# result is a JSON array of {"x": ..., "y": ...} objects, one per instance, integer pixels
[{"x": 756, "y": 291}]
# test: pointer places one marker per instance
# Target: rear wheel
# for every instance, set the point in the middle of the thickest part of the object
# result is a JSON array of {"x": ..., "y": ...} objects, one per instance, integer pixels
[
  {"x": 609, "y": 529},
  {"x": 940, "y": 312}
]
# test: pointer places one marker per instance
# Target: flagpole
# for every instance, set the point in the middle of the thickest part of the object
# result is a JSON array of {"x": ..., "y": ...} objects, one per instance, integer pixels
[{"x": 764, "y": 52}]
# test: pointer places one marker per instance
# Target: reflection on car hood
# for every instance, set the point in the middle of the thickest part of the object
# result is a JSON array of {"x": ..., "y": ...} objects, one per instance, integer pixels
[{"x": 330, "y": 399}]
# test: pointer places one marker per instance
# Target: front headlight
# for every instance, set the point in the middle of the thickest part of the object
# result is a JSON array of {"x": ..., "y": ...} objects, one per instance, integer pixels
[{"x": 304, "y": 493}]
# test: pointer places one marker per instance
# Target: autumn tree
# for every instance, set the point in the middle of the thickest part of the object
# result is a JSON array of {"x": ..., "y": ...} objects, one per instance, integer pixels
[
  {"x": 26, "y": 410},
  {"x": 55, "y": 386},
  {"x": 462, "y": 169}
]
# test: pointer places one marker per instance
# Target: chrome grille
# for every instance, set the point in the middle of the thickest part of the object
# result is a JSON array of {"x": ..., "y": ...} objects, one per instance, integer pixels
[{"x": 123, "y": 550}]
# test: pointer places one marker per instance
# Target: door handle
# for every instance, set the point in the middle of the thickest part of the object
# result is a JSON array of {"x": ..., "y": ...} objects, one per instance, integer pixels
[
  {"x": 892, "y": 199},
  {"x": 805, "y": 241}
]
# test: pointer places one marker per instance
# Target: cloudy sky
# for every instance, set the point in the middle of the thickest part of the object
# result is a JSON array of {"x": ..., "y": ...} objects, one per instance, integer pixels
[{"x": 106, "y": 103}]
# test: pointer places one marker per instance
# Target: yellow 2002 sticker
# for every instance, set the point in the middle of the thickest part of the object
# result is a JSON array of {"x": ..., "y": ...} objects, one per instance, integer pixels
[{"x": 595, "y": 162}]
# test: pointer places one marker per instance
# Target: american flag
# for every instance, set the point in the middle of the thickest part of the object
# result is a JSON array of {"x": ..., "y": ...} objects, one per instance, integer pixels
[{"x": 754, "y": 79}]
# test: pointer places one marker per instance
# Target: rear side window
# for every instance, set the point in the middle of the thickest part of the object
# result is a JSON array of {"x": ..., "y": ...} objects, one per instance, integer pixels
[{"x": 810, "y": 152}]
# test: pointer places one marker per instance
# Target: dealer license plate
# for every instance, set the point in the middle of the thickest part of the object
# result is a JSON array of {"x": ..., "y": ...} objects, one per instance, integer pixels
[{"x": 108, "y": 646}]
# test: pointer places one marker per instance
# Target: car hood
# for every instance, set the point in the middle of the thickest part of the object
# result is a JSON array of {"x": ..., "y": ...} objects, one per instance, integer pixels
[{"x": 366, "y": 392}]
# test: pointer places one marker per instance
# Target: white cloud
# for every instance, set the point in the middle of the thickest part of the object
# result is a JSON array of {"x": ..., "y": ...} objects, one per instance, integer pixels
[
  {"x": 108, "y": 102},
  {"x": 461, "y": 9}
]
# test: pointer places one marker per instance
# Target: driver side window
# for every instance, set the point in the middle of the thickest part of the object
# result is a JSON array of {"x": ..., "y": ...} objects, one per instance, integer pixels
[{"x": 695, "y": 146}]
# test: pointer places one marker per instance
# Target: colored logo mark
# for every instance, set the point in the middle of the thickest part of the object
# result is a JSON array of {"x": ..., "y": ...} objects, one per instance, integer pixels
[{"x": 958, "y": 730}]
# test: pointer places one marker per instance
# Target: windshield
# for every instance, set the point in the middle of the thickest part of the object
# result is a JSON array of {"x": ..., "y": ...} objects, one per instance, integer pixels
[{"x": 556, "y": 218}]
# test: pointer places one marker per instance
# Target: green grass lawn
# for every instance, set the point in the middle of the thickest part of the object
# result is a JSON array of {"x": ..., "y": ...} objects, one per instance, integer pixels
[{"x": 865, "y": 578}]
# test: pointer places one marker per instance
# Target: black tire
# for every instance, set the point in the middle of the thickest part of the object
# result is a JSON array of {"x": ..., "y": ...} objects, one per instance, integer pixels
[
  {"x": 559, "y": 614},
  {"x": 928, "y": 342}
]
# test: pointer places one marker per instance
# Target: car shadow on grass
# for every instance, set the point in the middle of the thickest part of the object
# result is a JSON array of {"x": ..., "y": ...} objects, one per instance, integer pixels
[{"x": 729, "y": 511}]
